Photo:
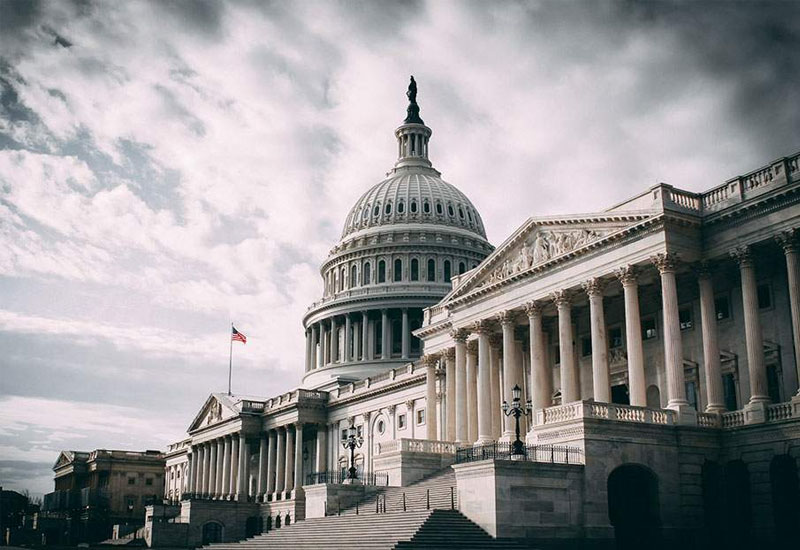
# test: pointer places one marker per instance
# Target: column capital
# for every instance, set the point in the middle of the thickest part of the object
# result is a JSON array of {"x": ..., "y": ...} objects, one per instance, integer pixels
[
  {"x": 534, "y": 309},
  {"x": 385, "y": 310},
  {"x": 364, "y": 313},
  {"x": 665, "y": 262},
  {"x": 430, "y": 359},
  {"x": 459, "y": 334},
  {"x": 788, "y": 240},
  {"x": 627, "y": 274},
  {"x": 472, "y": 346},
  {"x": 562, "y": 297},
  {"x": 506, "y": 318},
  {"x": 391, "y": 408},
  {"x": 594, "y": 286},
  {"x": 495, "y": 340},
  {"x": 481, "y": 327},
  {"x": 410, "y": 407},
  {"x": 703, "y": 269},
  {"x": 405, "y": 309},
  {"x": 743, "y": 255},
  {"x": 450, "y": 354}
]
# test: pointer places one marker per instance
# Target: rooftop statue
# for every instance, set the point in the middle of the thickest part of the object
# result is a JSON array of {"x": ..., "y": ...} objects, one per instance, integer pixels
[
  {"x": 413, "y": 109},
  {"x": 412, "y": 91}
]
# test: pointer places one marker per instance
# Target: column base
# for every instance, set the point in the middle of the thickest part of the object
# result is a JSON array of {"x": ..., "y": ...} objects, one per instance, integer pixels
[
  {"x": 716, "y": 409},
  {"x": 685, "y": 414},
  {"x": 755, "y": 412}
]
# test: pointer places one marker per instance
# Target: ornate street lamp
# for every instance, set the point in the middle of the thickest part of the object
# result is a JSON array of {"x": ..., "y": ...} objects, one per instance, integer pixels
[
  {"x": 353, "y": 441},
  {"x": 516, "y": 409}
]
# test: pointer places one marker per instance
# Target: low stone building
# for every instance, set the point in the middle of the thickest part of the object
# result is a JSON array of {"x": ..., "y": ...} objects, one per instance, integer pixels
[{"x": 658, "y": 342}]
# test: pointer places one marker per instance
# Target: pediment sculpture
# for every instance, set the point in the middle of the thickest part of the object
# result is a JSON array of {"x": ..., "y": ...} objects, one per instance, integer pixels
[{"x": 542, "y": 246}]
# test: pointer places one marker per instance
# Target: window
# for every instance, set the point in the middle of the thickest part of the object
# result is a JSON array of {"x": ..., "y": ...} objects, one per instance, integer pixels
[
  {"x": 131, "y": 481},
  {"x": 450, "y": 210},
  {"x": 344, "y": 435},
  {"x": 366, "y": 212},
  {"x": 353, "y": 276},
  {"x": 388, "y": 208},
  {"x": 729, "y": 391},
  {"x": 366, "y": 273},
  {"x": 130, "y": 502},
  {"x": 722, "y": 306},
  {"x": 426, "y": 207},
  {"x": 377, "y": 210},
  {"x": 764, "y": 297},
  {"x": 415, "y": 269},
  {"x": 360, "y": 430},
  {"x": 685, "y": 318},
  {"x": 431, "y": 270},
  {"x": 586, "y": 346},
  {"x": 401, "y": 207},
  {"x": 398, "y": 270},
  {"x": 439, "y": 209},
  {"x": 420, "y": 416},
  {"x": 615, "y": 337},
  {"x": 462, "y": 268},
  {"x": 343, "y": 278},
  {"x": 649, "y": 328},
  {"x": 382, "y": 271},
  {"x": 691, "y": 393},
  {"x": 148, "y": 481},
  {"x": 460, "y": 212},
  {"x": 469, "y": 215},
  {"x": 401, "y": 421},
  {"x": 413, "y": 207},
  {"x": 447, "y": 273},
  {"x": 381, "y": 426}
]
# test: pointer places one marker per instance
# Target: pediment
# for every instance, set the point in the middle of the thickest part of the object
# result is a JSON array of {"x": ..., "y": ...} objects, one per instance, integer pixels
[
  {"x": 64, "y": 458},
  {"x": 541, "y": 242},
  {"x": 213, "y": 411}
]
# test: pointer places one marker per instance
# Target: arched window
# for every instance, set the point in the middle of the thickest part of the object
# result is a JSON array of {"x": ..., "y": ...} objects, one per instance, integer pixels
[
  {"x": 388, "y": 208},
  {"x": 460, "y": 212},
  {"x": 461, "y": 268},
  {"x": 431, "y": 270},
  {"x": 398, "y": 270},
  {"x": 366, "y": 212},
  {"x": 450, "y": 210},
  {"x": 415, "y": 269},
  {"x": 413, "y": 207},
  {"x": 381, "y": 271},
  {"x": 353, "y": 276},
  {"x": 447, "y": 273},
  {"x": 366, "y": 273},
  {"x": 401, "y": 207},
  {"x": 439, "y": 208},
  {"x": 469, "y": 214},
  {"x": 426, "y": 207},
  {"x": 343, "y": 279},
  {"x": 377, "y": 210}
]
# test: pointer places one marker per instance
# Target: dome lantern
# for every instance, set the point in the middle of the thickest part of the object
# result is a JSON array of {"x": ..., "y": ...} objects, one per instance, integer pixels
[{"x": 413, "y": 135}]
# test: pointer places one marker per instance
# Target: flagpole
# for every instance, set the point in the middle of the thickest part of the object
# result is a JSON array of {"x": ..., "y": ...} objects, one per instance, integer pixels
[{"x": 230, "y": 358}]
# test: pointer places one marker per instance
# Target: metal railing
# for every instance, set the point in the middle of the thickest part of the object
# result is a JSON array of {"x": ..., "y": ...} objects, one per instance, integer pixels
[
  {"x": 336, "y": 477},
  {"x": 553, "y": 454}
]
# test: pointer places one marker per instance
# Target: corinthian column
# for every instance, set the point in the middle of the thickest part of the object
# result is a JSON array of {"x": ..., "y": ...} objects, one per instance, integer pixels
[
  {"x": 289, "y": 473},
  {"x": 495, "y": 341},
  {"x": 541, "y": 391},
  {"x": 212, "y": 475},
  {"x": 234, "y": 466},
  {"x": 271, "y": 462},
  {"x": 241, "y": 477},
  {"x": 788, "y": 240},
  {"x": 348, "y": 337},
  {"x": 708, "y": 320},
  {"x": 280, "y": 456},
  {"x": 512, "y": 375},
  {"x": 262, "y": 469},
  {"x": 472, "y": 391},
  {"x": 633, "y": 335},
  {"x": 218, "y": 491},
  {"x": 570, "y": 390},
  {"x": 460, "y": 339},
  {"x": 450, "y": 393},
  {"x": 298, "y": 457},
  {"x": 315, "y": 361},
  {"x": 752, "y": 327},
  {"x": 673, "y": 347},
  {"x": 484, "y": 394},
  {"x": 334, "y": 340},
  {"x": 226, "y": 466},
  {"x": 364, "y": 336},
  {"x": 308, "y": 350},
  {"x": 405, "y": 341},
  {"x": 601, "y": 384},
  {"x": 430, "y": 396},
  {"x": 386, "y": 351},
  {"x": 323, "y": 345}
]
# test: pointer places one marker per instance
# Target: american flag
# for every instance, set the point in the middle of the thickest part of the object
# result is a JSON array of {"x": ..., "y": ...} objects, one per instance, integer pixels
[{"x": 237, "y": 336}]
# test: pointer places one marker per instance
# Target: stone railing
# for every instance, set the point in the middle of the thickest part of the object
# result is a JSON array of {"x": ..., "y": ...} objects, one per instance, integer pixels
[
  {"x": 779, "y": 411},
  {"x": 732, "y": 419},
  {"x": 708, "y": 420},
  {"x": 685, "y": 199},
  {"x": 416, "y": 446},
  {"x": 405, "y": 373},
  {"x": 605, "y": 411}
]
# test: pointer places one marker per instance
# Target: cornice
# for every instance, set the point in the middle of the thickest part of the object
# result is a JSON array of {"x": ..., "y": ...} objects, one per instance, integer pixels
[
  {"x": 403, "y": 247},
  {"x": 767, "y": 203},
  {"x": 370, "y": 393}
]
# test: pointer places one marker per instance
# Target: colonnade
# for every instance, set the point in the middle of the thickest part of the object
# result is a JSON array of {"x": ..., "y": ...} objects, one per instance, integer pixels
[
  {"x": 220, "y": 468},
  {"x": 474, "y": 373},
  {"x": 353, "y": 337}
]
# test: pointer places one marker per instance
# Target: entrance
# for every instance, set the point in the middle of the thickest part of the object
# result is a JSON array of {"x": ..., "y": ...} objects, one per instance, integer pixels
[
  {"x": 212, "y": 532},
  {"x": 633, "y": 507}
]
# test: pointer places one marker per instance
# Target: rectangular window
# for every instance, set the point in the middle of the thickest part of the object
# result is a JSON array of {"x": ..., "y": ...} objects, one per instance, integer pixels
[
  {"x": 691, "y": 393},
  {"x": 685, "y": 318},
  {"x": 360, "y": 430},
  {"x": 722, "y": 306},
  {"x": 401, "y": 421},
  {"x": 148, "y": 481},
  {"x": 131, "y": 481},
  {"x": 764, "y": 296},
  {"x": 649, "y": 328},
  {"x": 344, "y": 435},
  {"x": 586, "y": 346},
  {"x": 615, "y": 337},
  {"x": 420, "y": 416}
]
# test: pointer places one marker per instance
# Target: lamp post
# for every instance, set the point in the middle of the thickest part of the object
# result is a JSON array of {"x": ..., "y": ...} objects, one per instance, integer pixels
[
  {"x": 353, "y": 441},
  {"x": 516, "y": 409}
]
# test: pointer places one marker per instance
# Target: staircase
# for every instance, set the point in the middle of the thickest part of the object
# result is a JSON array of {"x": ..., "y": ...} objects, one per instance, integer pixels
[
  {"x": 417, "y": 530},
  {"x": 435, "y": 492}
]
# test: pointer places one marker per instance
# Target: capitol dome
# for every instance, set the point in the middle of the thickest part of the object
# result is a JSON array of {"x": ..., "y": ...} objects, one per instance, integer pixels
[{"x": 402, "y": 243}]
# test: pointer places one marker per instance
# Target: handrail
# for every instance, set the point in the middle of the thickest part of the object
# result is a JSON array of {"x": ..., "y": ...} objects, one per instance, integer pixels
[{"x": 552, "y": 454}]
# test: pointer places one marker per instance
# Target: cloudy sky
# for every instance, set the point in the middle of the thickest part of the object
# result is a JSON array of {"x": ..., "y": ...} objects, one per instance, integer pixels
[{"x": 167, "y": 167}]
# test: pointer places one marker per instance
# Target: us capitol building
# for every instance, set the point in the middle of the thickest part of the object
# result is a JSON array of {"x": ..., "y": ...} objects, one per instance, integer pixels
[{"x": 657, "y": 340}]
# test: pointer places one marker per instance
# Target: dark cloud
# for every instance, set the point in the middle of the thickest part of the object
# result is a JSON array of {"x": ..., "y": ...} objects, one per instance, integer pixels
[
  {"x": 18, "y": 15},
  {"x": 203, "y": 16}
]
